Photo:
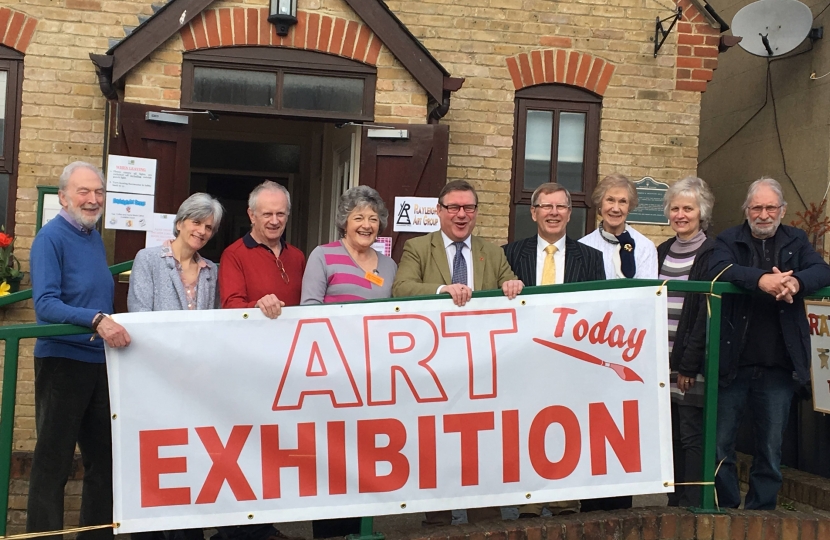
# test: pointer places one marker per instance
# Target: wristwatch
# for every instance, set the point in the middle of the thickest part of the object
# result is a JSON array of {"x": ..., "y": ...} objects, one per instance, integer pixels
[{"x": 97, "y": 319}]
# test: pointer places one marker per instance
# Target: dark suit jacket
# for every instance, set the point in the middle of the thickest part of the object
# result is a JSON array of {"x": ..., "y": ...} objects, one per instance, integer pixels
[{"x": 582, "y": 263}]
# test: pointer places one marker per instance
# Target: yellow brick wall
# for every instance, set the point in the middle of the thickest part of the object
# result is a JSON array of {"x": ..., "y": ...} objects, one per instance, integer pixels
[{"x": 647, "y": 128}]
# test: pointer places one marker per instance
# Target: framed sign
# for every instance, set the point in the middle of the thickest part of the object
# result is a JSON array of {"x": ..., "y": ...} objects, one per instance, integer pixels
[
  {"x": 48, "y": 205},
  {"x": 650, "y": 192},
  {"x": 818, "y": 313}
]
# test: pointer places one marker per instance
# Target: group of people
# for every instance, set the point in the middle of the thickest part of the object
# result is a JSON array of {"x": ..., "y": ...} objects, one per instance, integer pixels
[{"x": 764, "y": 349}]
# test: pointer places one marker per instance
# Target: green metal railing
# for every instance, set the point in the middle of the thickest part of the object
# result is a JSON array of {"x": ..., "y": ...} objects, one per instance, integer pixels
[{"x": 12, "y": 335}]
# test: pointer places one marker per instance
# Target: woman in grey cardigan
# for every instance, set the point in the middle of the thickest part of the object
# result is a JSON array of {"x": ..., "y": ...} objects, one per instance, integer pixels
[{"x": 174, "y": 276}]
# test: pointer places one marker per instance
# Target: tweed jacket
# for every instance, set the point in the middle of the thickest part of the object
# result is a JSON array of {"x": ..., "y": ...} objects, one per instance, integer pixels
[
  {"x": 582, "y": 263},
  {"x": 424, "y": 266},
  {"x": 155, "y": 284}
]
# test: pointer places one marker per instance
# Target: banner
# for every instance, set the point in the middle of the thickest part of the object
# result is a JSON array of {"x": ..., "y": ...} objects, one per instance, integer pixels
[{"x": 225, "y": 417}]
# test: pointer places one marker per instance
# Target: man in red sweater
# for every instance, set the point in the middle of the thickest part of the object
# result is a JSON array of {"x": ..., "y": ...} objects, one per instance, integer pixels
[{"x": 260, "y": 269}]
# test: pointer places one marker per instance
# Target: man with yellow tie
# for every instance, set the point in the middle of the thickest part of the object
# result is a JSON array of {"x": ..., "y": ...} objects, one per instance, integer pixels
[{"x": 547, "y": 258}]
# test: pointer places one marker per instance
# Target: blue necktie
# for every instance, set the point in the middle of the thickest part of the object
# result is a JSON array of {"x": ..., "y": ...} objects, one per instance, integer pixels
[{"x": 459, "y": 265}]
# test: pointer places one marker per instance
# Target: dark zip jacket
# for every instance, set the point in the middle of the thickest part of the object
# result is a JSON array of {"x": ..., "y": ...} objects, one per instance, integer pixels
[
  {"x": 793, "y": 251},
  {"x": 689, "y": 351}
]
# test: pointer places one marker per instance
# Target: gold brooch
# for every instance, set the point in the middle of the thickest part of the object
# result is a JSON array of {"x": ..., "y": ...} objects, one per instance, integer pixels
[{"x": 628, "y": 247}]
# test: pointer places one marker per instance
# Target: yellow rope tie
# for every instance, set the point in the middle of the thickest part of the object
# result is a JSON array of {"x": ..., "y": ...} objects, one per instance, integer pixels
[
  {"x": 690, "y": 483},
  {"x": 660, "y": 290},
  {"x": 712, "y": 291},
  {"x": 700, "y": 483},
  {"x": 64, "y": 531}
]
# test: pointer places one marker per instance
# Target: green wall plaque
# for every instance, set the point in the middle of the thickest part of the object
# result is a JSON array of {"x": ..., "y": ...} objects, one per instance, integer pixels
[{"x": 650, "y": 210}]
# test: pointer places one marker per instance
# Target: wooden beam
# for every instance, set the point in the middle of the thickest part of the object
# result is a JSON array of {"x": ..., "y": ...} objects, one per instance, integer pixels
[{"x": 148, "y": 37}]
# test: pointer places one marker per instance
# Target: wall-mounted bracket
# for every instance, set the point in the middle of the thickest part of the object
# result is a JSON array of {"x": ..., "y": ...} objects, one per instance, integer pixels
[{"x": 660, "y": 34}]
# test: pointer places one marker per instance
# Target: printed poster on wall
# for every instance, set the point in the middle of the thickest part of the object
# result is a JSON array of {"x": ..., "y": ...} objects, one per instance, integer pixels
[
  {"x": 818, "y": 314},
  {"x": 128, "y": 212},
  {"x": 416, "y": 214},
  {"x": 383, "y": 245},
  {"x": 160, "y": 230},
  {"x": 388, "y": 407},
  {"x": 127, "y": 174}
]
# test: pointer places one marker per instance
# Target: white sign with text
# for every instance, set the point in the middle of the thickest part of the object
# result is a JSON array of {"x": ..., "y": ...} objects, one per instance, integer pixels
[
  {"x": 127, "y": 174},
  {"x": 415, "y": 214}
]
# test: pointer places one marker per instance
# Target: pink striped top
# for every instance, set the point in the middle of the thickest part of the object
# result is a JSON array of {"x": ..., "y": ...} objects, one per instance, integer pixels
[{"x": 332, "y": 276}]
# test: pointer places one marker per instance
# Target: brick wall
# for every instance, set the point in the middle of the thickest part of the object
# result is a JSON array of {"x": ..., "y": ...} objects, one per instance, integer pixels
[
  {"x": 650, "y": 118},
  {"x": 62, "y": 119}
]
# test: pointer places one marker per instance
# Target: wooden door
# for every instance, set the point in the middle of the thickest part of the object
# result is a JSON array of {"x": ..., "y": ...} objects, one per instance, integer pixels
[
  {"x": 132, "y": 134},
  {"x": 415, "y": 167}
]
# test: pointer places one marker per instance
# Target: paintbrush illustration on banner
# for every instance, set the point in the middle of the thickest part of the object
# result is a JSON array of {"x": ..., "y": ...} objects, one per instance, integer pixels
[{"x": 625, "y": 373}]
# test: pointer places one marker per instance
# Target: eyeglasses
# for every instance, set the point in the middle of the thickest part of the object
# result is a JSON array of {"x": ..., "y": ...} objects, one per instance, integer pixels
[
  {"x": 283, "y": 273},
  {"x": 770, "y": 209},
  {"x": 547, "y": 207},
  {"x": 455, "y": 208}
]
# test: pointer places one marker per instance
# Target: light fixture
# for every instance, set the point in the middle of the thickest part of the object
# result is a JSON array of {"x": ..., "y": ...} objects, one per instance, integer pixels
[{"x": 283, "y": 15}]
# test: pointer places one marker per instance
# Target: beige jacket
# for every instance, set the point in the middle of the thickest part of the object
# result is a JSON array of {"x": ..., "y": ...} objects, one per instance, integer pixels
[{"x": 424, "y": 266}]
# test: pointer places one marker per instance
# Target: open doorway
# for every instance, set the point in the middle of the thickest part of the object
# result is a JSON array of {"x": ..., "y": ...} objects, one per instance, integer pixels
[{"x": 316, "y": 161}]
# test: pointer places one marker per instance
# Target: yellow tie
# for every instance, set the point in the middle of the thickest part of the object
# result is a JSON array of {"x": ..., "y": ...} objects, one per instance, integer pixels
[{"x": 549, "y": 268}]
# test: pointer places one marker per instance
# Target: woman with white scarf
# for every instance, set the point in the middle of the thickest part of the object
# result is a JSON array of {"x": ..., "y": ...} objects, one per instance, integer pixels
[{"x": 626, "y": 253}]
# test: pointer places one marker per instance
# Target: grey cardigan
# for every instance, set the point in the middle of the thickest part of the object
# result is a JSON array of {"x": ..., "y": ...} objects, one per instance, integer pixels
[{"x": 155, "y": 284}]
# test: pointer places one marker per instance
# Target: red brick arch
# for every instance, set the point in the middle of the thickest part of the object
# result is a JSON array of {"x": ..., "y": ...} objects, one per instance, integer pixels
[
  {"x": 246, "y": 26},
  {"x": 560, "y": 66},
  {"x": 16, "y": 29}
]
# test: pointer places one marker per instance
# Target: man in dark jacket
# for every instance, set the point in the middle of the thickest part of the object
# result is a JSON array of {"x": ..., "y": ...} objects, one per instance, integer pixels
[
  {"x": 550, "y": 208},
  {"x": 547, "y": 258},
  {"x": 764, "y": 352}
]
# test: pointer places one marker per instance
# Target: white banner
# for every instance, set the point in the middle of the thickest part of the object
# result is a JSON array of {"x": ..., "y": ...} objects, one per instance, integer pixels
[{"x": 225, "y": 417}]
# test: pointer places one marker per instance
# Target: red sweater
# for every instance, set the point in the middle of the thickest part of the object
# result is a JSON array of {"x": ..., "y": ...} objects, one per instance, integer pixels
[{"x": 249, "y": 270}]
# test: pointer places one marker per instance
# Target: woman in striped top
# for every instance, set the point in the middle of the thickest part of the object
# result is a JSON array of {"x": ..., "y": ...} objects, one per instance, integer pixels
[
  {"x": 688, "y": 205},
  {"x": 349, "y": 269},
  {"x": 346, "y": 271}
]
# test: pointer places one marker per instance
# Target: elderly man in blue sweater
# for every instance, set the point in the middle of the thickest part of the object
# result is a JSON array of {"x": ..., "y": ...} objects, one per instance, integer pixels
[{"x": 72, "y": 284}]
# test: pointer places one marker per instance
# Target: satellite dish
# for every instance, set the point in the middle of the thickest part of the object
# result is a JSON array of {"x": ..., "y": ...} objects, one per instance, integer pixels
[{"x": 772, "y": 27}]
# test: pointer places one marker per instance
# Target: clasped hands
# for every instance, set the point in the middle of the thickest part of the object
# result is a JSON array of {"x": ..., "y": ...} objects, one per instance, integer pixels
[
  {"x": 781, "y": 285},
  {"x": 461, "y": 294}
]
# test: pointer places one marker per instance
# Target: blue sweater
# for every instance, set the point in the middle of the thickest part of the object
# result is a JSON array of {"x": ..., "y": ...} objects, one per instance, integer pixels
[{"x": 70, "y": 284}]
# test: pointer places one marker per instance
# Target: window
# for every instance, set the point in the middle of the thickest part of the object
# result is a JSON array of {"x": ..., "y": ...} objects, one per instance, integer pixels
[
  {"x": 11, "y": 80},
  {"x": 282, "y": 82},
  {"x": 556, "y": 139}
]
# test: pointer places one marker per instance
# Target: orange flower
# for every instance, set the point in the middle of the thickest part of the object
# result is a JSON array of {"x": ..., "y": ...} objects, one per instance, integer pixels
[{"x": 5, "y": 240}]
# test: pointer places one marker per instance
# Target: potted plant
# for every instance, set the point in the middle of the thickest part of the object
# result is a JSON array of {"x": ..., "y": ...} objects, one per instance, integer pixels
[{"x": 10, "y": 274}]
